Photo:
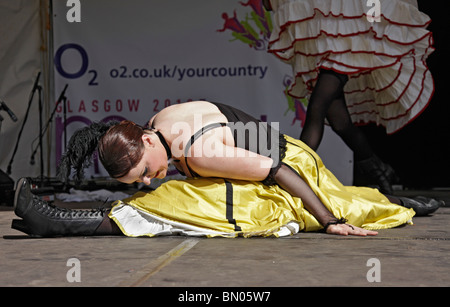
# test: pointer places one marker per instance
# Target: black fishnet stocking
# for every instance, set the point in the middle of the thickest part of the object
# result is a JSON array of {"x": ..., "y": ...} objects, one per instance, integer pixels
[{"x": 293, "y": 183}]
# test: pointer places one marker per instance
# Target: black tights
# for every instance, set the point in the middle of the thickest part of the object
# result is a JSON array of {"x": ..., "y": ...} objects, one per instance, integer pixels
[
  {"x": 108, "y": 227},
  {"x": 328, "y": 101}
]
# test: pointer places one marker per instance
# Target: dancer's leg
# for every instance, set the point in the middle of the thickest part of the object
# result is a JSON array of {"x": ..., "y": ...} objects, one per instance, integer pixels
[
  {"x": 41, "y": 218},
  {"x": 107, "y": 227},
  {"x": 329, "y": 87},
  {"x": 366, "y": 161},
  {"x": 340, "y": 121}
]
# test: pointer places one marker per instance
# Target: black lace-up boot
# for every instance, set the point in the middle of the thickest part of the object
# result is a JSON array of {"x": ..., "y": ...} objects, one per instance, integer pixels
[{"x": 42, "y": 219}]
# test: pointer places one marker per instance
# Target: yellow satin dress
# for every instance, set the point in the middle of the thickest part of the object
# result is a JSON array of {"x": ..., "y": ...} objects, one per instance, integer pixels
[{"x": 225, "y": 207}]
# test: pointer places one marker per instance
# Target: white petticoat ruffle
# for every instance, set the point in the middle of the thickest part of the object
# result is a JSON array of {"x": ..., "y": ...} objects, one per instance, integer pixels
[
  {"x": 135, "y": 222},
  {"x": 389, "y": 81}
]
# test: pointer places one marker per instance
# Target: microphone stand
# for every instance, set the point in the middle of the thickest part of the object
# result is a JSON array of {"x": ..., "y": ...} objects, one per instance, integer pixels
[
  {"x": 35, "y": 87},
  {"x": 41, "y": 156},
  {"x": 65, "y": 117},
  {"x": 62, "y": 97}
]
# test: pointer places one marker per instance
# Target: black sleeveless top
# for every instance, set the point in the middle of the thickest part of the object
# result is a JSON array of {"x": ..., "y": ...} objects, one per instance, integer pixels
[{"x": 249, "y": 133}]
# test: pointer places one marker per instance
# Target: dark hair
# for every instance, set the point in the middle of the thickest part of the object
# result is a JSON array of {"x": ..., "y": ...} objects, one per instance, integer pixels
[
  {"x": 119, "y": 145},
  {"x": 121, "y": 148}
]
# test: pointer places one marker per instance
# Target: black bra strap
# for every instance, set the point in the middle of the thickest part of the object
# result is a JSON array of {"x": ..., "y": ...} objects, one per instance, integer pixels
[
  {"x": 194, "y": 138},
  {"x": 200, "y": 132}
]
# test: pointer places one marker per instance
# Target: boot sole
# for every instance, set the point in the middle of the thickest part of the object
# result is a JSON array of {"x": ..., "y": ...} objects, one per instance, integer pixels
[{"x": 20, "y": 225}]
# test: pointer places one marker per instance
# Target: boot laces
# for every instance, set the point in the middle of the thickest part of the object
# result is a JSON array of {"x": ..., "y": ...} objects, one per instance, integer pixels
[{"x": 51, "y": 210}]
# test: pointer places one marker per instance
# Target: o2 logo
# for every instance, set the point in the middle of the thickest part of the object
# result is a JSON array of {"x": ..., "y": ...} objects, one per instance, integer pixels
[{"x": 83, "y": 66}]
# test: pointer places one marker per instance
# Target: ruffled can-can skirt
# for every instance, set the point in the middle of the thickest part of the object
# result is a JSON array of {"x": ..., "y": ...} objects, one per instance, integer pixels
[{"x": 389, "y": 81}]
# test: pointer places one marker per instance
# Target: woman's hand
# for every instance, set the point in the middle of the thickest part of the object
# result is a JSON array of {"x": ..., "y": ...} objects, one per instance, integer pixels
[{"x": 347, "y": 229}]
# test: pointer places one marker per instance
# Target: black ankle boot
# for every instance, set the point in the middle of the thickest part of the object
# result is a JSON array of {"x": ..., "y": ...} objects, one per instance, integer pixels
[
  {"x": 43, "y": 219},
  {"x": 421, "y": 205},
  {"x": 377, "y": 172}
]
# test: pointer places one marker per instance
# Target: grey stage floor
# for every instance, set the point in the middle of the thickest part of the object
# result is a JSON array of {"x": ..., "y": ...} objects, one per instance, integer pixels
[{"x": 413, "y": 255}]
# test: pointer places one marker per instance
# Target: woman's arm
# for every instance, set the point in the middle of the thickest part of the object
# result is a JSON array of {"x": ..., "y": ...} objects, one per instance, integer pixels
[
  {"x": 216, "y": 159},
  {"x": 296, "y": 186},
  {"x": 211, "y": 158}
]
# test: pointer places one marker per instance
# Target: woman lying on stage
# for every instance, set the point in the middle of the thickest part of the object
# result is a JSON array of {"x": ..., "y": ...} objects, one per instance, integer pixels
[{"x": 265, "y": 188}]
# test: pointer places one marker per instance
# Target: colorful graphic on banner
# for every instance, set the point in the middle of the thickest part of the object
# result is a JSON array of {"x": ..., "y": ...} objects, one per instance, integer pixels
[{"x": 243, "y": 31}]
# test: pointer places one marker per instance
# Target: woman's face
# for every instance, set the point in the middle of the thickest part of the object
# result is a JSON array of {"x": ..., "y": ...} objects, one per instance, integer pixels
[{"x": 153, "y": 163}]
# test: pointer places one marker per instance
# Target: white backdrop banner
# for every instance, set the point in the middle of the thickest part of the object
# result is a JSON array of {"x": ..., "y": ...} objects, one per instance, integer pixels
[{"x": 130, "y": 59}]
